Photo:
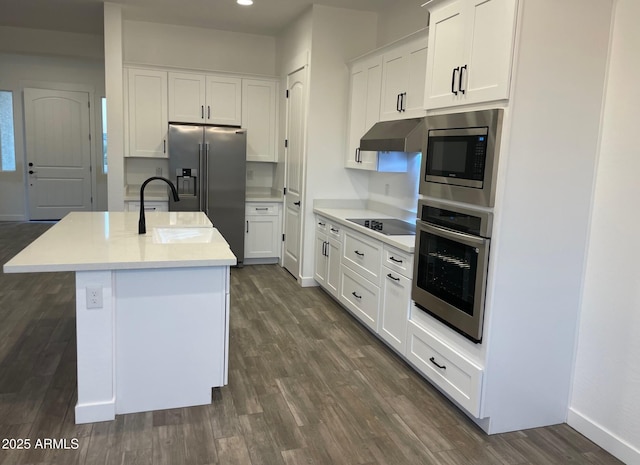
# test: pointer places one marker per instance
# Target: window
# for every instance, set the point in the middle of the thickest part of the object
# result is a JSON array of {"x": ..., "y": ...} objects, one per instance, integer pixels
[
  {"x": 7, "y": 143},
  {"x": 104, "y": 135}
]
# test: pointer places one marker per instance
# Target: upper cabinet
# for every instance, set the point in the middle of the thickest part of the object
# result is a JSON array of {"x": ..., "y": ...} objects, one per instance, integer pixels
[
  {"x": 403, "y": 81},
  {"x": 147, "y": 113},
  {"x": 259, "y": 119},
  {"x": 364, "y": 110},
  {"x": 470, "y": 54},
  {"x": 206, "y": 99}
]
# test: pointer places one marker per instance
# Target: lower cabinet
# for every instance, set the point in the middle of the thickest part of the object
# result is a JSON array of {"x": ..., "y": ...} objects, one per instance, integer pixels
[
  {"x": 327, "y": 255},
  {"x": 361, "y": 297},
  {"x": 262, "y": 236},
  {"x": 396, "y": 301},
  {"x": 149, "y": 206},
  {"x": 445, "y": 367}
]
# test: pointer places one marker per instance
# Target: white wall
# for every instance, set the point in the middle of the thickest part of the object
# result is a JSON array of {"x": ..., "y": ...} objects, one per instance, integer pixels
[
  {"x": 605, "y": 404},
  {"x": 198, "y": 48},
  {"x": 401, "y": 20},
  {"x": 41, "y": 42},
  {"x": 338, "y": 35},
  {"x": 18, "y": 71}
]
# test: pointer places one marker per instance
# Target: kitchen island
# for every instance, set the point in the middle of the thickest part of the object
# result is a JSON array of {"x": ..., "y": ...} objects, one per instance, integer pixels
[{"x": 152, "y": 310}]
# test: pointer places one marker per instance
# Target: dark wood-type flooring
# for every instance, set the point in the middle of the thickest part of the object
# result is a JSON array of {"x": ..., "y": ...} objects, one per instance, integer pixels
[{"x": 307, "y": 385}]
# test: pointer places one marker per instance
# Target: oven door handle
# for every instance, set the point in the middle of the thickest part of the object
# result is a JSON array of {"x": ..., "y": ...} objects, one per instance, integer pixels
[{"x": 467, "y": 239}]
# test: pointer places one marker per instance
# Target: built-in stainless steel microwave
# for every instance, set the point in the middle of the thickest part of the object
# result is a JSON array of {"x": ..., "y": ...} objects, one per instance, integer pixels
[{"x": 460, "y": 156}]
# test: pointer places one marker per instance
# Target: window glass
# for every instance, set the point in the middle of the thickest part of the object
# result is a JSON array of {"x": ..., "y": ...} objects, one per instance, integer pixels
[
  {"x": 7, "y": 143},
  {"x": 104, "y": 135}
]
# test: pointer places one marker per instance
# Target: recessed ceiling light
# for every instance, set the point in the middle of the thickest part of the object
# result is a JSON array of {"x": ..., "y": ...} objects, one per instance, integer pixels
[{"x": 245, "y": 2}]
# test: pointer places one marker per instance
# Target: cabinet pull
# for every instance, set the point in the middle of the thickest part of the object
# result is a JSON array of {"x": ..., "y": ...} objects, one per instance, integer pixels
[
  {"x": 358, "y": 159},
  {"x": 297, "y": 203},
  {"x": 358, "y": 253},
  {"x": 453, "y": 80},
  {"x": 326, "y": 249},
  {"x": 208, "y": 111},
  {"x": 202, "y": 111},
  {"x": 403, "y": 103},
  {"x": 356, "y": 295},
  {"x": 164, "y": 146},
  {"x": 335, "y": 230},
  {"x": 321, "y": 224},
  {"x": 390, "y": 276},
  {"x": 393, "y": 259},
  {"x": 433, "y": 360},
  {"x": 247, "y": 226},
  {"x": 464, "y": 68},
  {"x": 398, "y": 103},
  {"x": 262, "y": 208}
]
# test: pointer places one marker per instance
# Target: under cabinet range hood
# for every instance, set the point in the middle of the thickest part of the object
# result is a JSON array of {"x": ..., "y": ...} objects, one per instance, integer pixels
[{"x": 404, "y": 135}]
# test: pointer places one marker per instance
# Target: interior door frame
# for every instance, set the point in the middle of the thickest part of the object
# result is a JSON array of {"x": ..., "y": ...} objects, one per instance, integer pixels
[
  {"x": 300, "y": 62},
  {"x": 96, "y": 142}
]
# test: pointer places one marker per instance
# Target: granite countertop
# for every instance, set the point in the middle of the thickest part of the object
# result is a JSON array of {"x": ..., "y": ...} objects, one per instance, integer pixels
[
  {"x": 341, "y": 215},
  {"x": 84, "y": 241}
]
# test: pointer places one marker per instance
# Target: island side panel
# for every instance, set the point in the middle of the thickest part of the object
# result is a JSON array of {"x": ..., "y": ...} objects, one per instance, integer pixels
[
  {"x": 95, "y": 347},
  {"x": 171, "y": 333}
]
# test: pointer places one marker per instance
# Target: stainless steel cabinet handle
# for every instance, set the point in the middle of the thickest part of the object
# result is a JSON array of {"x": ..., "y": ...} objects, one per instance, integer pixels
[
  {"x": 356, "y": 295},
  {"x": 433, "y": 360},
  {"x": 359, "y": 254}
]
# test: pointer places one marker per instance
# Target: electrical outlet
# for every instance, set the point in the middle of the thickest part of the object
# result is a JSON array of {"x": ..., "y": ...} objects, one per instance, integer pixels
[{"x": 94, "y": 296}]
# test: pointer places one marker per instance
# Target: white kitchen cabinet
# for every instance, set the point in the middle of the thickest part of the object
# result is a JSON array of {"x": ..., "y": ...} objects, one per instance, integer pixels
[
  {"x": 469, "y": 60},
  {"x": 149, "y": 206},
  {"x": 403, "y": 81},
  {"x": 327, "y": 255},
  {"x": 363, "y": 255},
  {"x": 360, "y": 296},
  {"x": 262, "y": 230},
  {"x": 206, "y": 99},
  {"x": 259, "y": 119},
  {"x": 364, "y": 110},
  {"x": 397, "y": 272},
  {"x": 147, "y": 122}
]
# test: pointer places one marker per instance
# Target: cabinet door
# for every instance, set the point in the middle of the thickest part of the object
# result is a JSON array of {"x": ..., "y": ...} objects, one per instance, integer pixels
[
  {"x": 261, "y": 237},
  {"x": 364, "y": 110},
  {"x": 186, "y": 98},
  {"x": 445, "y": 55},
  {"x": 413, "y": 100},
  {"x": 395, "y": 82},
  {"x": 321, "y": 259},
  {"x": 259, "y": 119},
  {"x": 147, "y": 104},
  {"x": 396, "y": 302},
  {"x": 490, "y": 50},
  {"x": 360, "y": 296},
  {"x": 224, "y": 102},
  {"x": 334, "y": 251}
]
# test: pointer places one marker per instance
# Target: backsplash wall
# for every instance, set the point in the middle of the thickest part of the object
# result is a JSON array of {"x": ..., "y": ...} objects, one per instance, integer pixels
[{"x": 397, "y": 189}]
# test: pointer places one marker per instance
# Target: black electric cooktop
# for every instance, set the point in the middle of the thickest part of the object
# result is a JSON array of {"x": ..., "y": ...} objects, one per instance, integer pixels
[{"x": 388, "y": 226}]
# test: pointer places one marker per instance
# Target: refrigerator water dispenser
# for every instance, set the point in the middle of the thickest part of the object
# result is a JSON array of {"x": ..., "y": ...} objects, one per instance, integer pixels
[{"x": 186, "y": 181}]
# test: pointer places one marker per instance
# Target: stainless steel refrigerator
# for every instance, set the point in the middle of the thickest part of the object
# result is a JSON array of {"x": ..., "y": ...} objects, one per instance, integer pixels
[{"x": 207, "y": 165}]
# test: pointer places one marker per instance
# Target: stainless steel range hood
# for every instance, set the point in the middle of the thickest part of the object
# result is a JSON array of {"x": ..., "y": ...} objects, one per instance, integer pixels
[{"x": 405, "y": 135}]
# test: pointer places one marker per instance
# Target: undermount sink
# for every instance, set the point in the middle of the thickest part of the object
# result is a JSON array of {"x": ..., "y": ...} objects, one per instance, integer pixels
[{"x": 177, "y": 235}]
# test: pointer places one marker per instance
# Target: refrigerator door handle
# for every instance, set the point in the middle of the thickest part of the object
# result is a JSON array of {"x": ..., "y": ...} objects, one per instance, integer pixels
[
  {"x": 202, "y": 178},
  {"x": 206, "y": 170}
]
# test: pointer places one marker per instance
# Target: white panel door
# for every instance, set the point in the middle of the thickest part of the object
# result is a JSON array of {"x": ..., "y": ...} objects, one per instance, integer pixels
[
  {"x": 58, "y": 143},
  {"x": 296, "y": 118}
]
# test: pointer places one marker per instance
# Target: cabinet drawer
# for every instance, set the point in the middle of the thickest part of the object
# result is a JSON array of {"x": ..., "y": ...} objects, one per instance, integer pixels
[
  {"x": 149, "y": 206},
  {"x": 322, "y": 225},
  {"x": 334, "y": 230},
  {"x": 398, "y": 260},
  {"x": 362, "y": 255},
  {"x": 261, "y": 209},
  {"x": 360, "y": 296},
  {"x": 456, "y": 375}
]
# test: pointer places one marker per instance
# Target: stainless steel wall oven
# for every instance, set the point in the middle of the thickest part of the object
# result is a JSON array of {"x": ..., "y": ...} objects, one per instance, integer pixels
[
  {"x": 459, "y": 160},
  {"x": 451, "y": 263}
]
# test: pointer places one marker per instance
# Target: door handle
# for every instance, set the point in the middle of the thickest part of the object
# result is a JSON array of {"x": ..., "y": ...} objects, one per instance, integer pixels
[
  {"x": 403, "y": 104},
  {"x": 398, "y": 103},
  {"x": 453, "y": 80},
  {"x": 358, "y": 160},
  {"x": 32, "y": 172},
  {"x": 297, "y": 203},
  {"x": 30, "y": 164},
  {"x": 464, "y": 68},
  {"x": 208, "y": 111},
  {"x": 247, "y": 226},
  {"x": 164, "y": 146},
  {"x": 202, "y": 111}
]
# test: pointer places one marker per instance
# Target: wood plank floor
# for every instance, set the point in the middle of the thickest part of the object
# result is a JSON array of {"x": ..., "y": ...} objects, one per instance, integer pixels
[{"x": 307, "y": 385}]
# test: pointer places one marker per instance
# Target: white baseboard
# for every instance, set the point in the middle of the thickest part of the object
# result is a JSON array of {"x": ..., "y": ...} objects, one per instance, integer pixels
[
  {"x": 261, "y": 261},
  {"x": 604, "y": 438},
  {"x": 308, "y": 282},
  {"x": 12, "y": 218},
  {"x": 95, "y": 412}
]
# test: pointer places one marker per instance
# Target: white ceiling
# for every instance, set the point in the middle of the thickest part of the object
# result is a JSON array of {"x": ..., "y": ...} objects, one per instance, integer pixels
[{"x": 266, "y": 17}]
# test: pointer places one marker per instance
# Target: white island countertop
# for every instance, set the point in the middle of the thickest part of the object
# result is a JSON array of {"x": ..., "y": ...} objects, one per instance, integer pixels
[{"x": 86, "y": 241}]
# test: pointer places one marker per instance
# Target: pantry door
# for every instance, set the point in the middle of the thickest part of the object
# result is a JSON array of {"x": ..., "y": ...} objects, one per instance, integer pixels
[
  {"x": 58, "y": 152},
  {"x": 294, "y": 199}
]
